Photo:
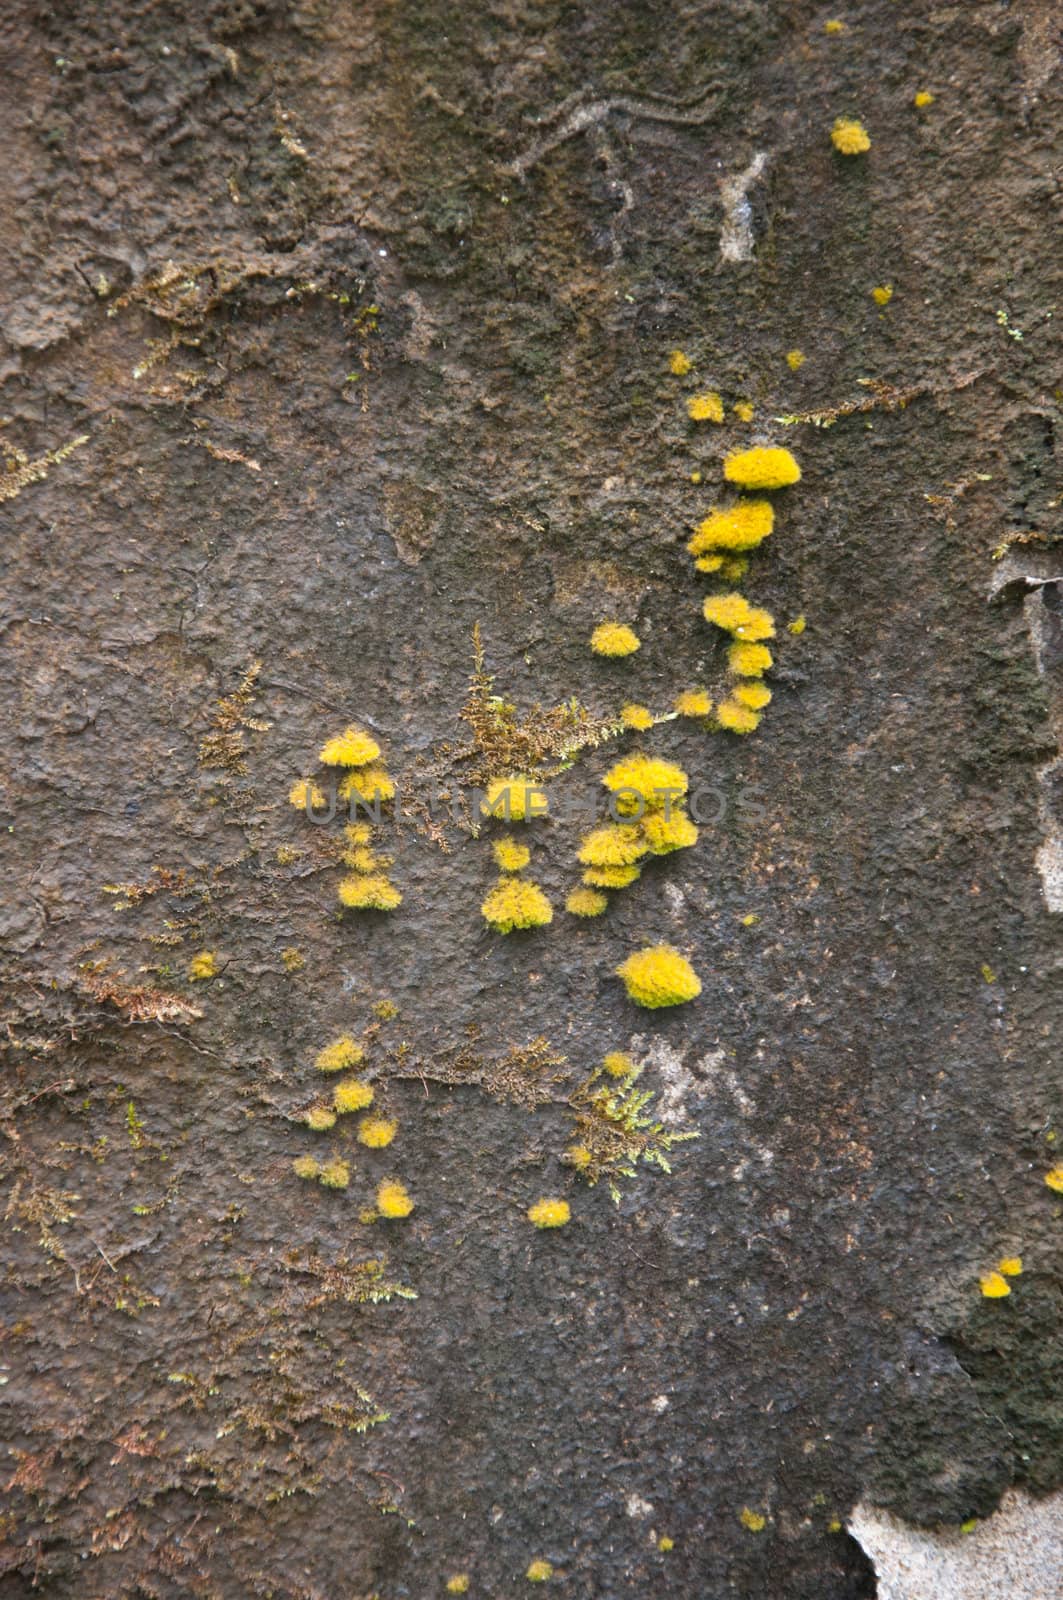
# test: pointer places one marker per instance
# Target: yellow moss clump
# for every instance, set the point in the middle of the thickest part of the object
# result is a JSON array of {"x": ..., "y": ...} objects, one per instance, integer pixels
[
  {"x": 351, "y": 748},
  {"x": 849, "y": 137},
  {"x": 1054, "y": 1179},
  {"x": 642, "y": 782},
  {"x": 659, "y": 976},
  {"x": 549, "y": 1213},
  {"x": 371, "y": 893},
  {"x": 393, "y": 1200},
  {"x": 922, "y": 98},
  {"x": 753, "y": 1520},
  {"x": 366, "y": 783},
  {"x": 693, "y": 703},
  {"x": 362, "y": 859},
  {"x": 539, "y": 1572},
  {"x": 795, "y": 359},
  {"x": 636, "y": 717},
  {"x": 614, "y": 639},
  {"x": 305, "y": 793},
  {"x": 578, "y": 1156},
  {"x": 615, "y": 844},
  {"x": 755, "y": 695},
  {"x": 618, "y": 1064},
  {"x": 306, "y": 1167},
  {"x": 994, "y": 1285},
  {"x": 340, "y": 1054},
  {"x": 679, "y": 363},
  {"x": 736, "y": 718},
  {"x": 205, "y": 965},
  {"x": 1010, "y": 1266},
  {"x": 376, "y": 1133},
  {"x": 320, "y": 1119},
  {"x": 515, "y": 903},
  {"x": 765, "y": 467},
  {"x": 707, "y": 407},
  {"x": 664, "y": 1543},
  {"x": 586, "y": 903},
  {"x": 665, "y": 833},
  {"x": 743, "y": 410},
  {"x": 357, "y": 833},
  {"x": 511, "y": 856},
  {"x": 352, "y": 1095},
  {"x": 735, "y": 615},
  {"x": 740, "y": 527},
  {"x": 610, "y": 877},
  {"x": 458, "y": 1584},
  {"x": 883, "y": 294},
  {"x": 748, "y": 660},
  {"x": 517, "y": 799},
  {"x": 798, "y": 625},
  {"x": 335, "y": 1174}
]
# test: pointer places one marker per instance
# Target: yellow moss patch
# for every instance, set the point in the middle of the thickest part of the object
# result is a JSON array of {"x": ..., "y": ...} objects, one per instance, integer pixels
[
  {"x": 740, "y": 527},
  {"x": 743, "y": 410},
  {"x": 664, "y": 1544},
  {"x": 693, "y": 703},
  {"x": 1054, "y": 1179},
  {"x": 578, "y": 1156},
  {"x": 707, "y": 407},
  {"x": 516, "y": 799},
  {"x": 736, "y": 718},
  {"x": 370, "y": 784},
  {"x": 373, "y": 893},
  {"x": 752, "y": 1520},
  {"x": 335, "y": 1174},
  {"x": 636, "y": 717},
  {"x": 377, "y": 1132},
  {"x": 610, "y": 877},
  {"x": 362, "y": 859},
  {"x": 883, "y": 294},
  {"x": 755, "y": 695},
  {"x": 511, "y": 856},
  {"x": 340, "y": 1054},
  {"x": 306, "y": 1167},
  {"x": 922, "y": 98},
  {"x": 994, "y": 1285},
  {"x": 320, "y": 1119},
  {"x": 1010, "y": 1266},
  {"x": 458, "y": 1584},
  {"x": 849, "y": 137},
  {"x": 618, "y": 1064},
  {"x": 305, "y": 793},
  {"x": 679, "y": 363},
  {"x": 515, "y": 903},
  {"x": 204, "y": 965},
  {"x": 615, "y": 844},
  {"x": 834, "y": 26},
  {"x": 539, "y": 1572},
  {"x": 614, "y": 639},
  {"x": 735, "y": 615},
  {"x": 659, "y": 976},
  {"x": 392, "y": 1199},
  {"x": 644, "y": 782},
  {"x": 663, "y": 834},
  {"x": 351, "y": 748},
  {"x": 695, "y": 476},
  {"x": 765, "y": 467},
  {"x": 748, "y": 660},
  {"x": 586, "y": 903},
  {"x": 549, "y": 1213},
  {"x": 352, "y": 1095},
  {"x": 798, "y": 625},
  {"x": 795, "y": 359}
]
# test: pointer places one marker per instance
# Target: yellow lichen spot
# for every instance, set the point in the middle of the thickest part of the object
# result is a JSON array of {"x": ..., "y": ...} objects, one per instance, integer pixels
[
  {"x": 969, "y": 1526},
  {"x": 834, "y": 1525},
  {"x": 610, "y": 877},
  {"x": 618, "y": 1064},
  {"x": 614, "y": 639},
  {"x": 614, "y": 844},
  {"x": 377, "y": 1132},
  {"x": 664, "y": 833},
  {"x": 748, "y": 660},
  {"x": 693, "y": 703},
  {"x": 373, "y": 893},
  {"x": 707, "y": 407},
  {"x": 578, "y": 1156},
  {"x": 795, "y": 359},
  {"x": 515, "y": 903},
  {"x": 370, "y": 784},
  {"x": 834, "y": 26},
  {"x": 204, "y": 965},
  {"x": 293, "y": 959},
  {"x": 539, "y": 1572},
  {"x": 659, "y": 976},
  {"x": 736, "y": 718},
  {"x": 335, "y": 1174},
  {"x": 392, "y": 1199},
  {"x": 798, "y": 625},
  {"x": 352, "y": 1095},
  {"x": 755, "y": 695},
  {"x": 385, "y": 1010},
  {"x": 735, "y": 615},
  {"x": 740, "y": 527},
  {"x": 922, "y": 98},
  {"x": 752, "y": 1520},
  {"x": 511, "y": 856},
  {"x": 744, "y": 410},
  {"x": 679, "y": 363},
  {"x": 458, "y": 1584},
  {"x": 636, "y": 717},
  {"x": 1010, "y": 1266},
  {"x": 695, "y": 476},
  {"x": 883, "y": 294},
  {"x": 516, "y": 799},
  {"x": 764, "y": 467},
  {"x": 306, "y": 1167},
  {"x": 320, "y": 1119},
  {"x": 750, "y": 919},
  {"x": 586, "y": 903},
  {"x": 549, "y": 1213},
  {"x": 711, "y": 562},
  {"x": 340, "y": 1054},
  {"x": 640, "y": 782},
  {"x": 987, "y": 973},
  {"x": 351, "y": 748},
  {"x": 664, "y": 1544},
  {"x": 849, "y": 137},
  {"x": 362, "y": 859},
  {"x": 994, "y": 1286},
  {"x": 286, "y": 855},
  {"x": 358, "y": 833},
  {"x": 306, "y": 794},
  {"x": 1054, "y": 1179}
]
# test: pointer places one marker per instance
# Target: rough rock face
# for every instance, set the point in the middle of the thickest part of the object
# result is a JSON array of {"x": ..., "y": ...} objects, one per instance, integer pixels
[{"x": 340, "y": 387}]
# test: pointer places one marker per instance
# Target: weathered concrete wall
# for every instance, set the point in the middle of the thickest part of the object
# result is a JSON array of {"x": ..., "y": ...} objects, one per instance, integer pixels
[{"x": 361, "y": 320}]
